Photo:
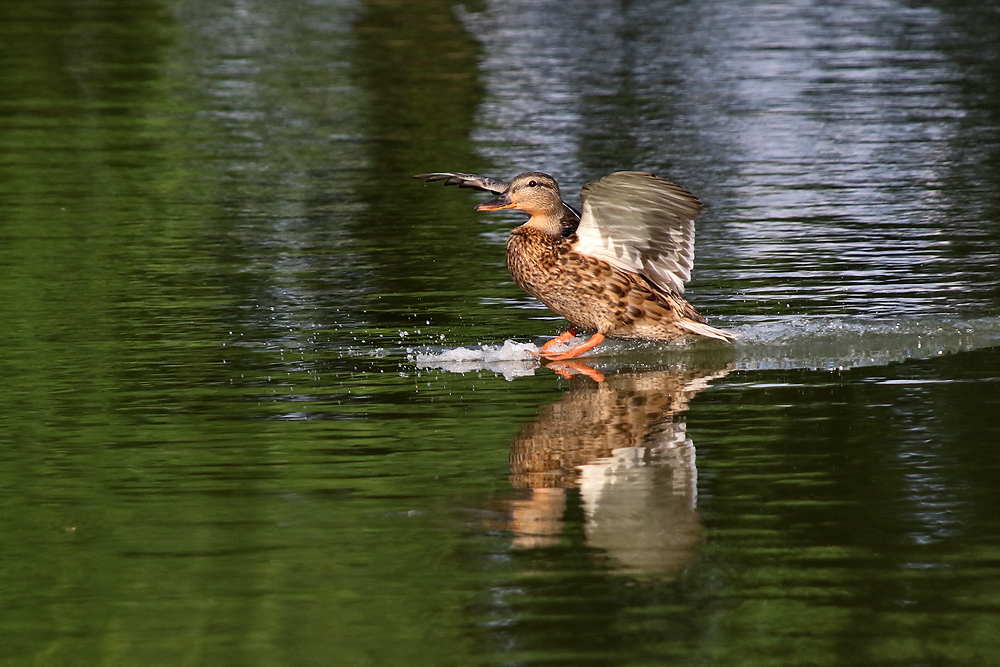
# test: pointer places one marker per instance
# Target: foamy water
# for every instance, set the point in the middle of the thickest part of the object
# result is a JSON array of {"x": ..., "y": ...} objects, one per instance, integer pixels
[
  {"x": 810, "y": 343},
  {"x": 511, "y": 359}
]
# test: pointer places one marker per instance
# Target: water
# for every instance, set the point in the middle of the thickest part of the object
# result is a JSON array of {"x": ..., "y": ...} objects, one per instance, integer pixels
[{"x": 267, "y": 400}]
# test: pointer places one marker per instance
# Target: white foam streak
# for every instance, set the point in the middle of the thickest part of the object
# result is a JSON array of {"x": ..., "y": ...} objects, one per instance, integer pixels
[
  {"x": 809, "y": 343},
  {"x": 841, "y": 344}
]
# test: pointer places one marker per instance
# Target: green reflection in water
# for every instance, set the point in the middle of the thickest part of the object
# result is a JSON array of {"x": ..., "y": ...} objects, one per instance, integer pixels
[{"x": 153, "y": 512}]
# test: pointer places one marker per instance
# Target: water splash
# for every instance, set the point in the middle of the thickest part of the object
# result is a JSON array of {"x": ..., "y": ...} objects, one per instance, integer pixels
[
  {"x": 809, "y": 343},
  {"x": 512, "y": 359}
]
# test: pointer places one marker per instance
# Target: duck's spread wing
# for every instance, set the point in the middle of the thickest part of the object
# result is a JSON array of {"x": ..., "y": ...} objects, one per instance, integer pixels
[
  {"x": 485, "y": 183},
  {"x": 640, "y": 223}
]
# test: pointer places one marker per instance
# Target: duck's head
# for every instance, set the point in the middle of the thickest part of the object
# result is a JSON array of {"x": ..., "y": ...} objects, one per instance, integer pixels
[{"x": 533, "y": 192}]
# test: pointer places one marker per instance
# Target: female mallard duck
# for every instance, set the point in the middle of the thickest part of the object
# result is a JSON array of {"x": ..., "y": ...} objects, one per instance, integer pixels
[{"x": 617, "y": 270}]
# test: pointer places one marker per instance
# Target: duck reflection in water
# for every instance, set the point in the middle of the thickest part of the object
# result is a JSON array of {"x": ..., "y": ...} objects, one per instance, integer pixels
[{"x": 623, "y": 444}]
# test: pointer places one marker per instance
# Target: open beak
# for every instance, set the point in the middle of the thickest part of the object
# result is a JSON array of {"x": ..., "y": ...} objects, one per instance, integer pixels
[{"x": 501, "y": 202}]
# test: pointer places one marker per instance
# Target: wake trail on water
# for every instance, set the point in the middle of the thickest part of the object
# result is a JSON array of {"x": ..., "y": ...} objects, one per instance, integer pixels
[{"x": 802, "y": 343}]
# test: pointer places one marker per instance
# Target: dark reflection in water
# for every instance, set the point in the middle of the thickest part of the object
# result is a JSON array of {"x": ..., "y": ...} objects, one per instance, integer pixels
[{"x": 623, "y": 444}]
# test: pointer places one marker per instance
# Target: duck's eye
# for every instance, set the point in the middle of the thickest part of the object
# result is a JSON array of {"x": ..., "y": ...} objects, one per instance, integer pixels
[{"x": 532, "y": 184}]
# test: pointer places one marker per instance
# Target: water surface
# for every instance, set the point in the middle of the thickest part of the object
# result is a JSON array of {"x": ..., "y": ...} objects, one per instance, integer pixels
[{"x": 267, "y": 401}]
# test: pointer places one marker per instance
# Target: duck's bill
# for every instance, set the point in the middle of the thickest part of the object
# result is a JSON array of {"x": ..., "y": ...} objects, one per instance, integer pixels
[{"x": 501, "y": 202}]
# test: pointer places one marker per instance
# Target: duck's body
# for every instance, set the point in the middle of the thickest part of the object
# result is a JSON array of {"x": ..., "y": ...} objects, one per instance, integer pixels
[
  {"x": 618, "y": 269},
  {"x": 592, "y": 294}
]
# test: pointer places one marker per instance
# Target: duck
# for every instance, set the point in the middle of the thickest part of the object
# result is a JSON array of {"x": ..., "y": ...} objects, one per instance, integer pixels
[{"x": 615, "y": 268}]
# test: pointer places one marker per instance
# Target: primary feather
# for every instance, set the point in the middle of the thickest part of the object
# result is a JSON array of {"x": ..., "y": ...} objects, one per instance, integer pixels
[{"x": 484, "y": 183}]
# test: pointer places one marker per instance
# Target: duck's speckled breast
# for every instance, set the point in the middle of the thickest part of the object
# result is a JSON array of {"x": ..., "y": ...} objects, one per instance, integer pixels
[{"x": 539, "y": 265}]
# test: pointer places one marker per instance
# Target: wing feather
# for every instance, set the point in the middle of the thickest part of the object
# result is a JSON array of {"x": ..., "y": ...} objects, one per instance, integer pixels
[
  {"x": 484, "y": 183},
  {"x": 640, "y": 223}
]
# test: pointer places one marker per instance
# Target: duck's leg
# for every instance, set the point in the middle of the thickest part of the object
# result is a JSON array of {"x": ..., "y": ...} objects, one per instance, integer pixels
[
  {"x": 594, "y": 341},
  {"x": 561, "y": 338}
]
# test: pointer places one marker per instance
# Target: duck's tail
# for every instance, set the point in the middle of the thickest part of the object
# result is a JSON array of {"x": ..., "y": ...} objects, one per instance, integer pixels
[{"x": 703, "y": 329}]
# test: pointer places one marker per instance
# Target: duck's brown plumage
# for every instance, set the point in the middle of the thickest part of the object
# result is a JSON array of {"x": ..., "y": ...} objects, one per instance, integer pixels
[
  {"x": 618, "y": 269},
  {"x": 592, "y": 294}
]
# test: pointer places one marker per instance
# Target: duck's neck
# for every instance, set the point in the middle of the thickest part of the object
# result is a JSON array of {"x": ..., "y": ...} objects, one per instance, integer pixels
[{"x": 547, "y": 223}]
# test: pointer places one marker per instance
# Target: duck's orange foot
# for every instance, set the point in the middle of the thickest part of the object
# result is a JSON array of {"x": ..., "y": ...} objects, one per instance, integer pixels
[
  {"x": 561, "y": 338},
  {"x": 568, "y": 369},
  {"x": 572, "y": 353}
]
